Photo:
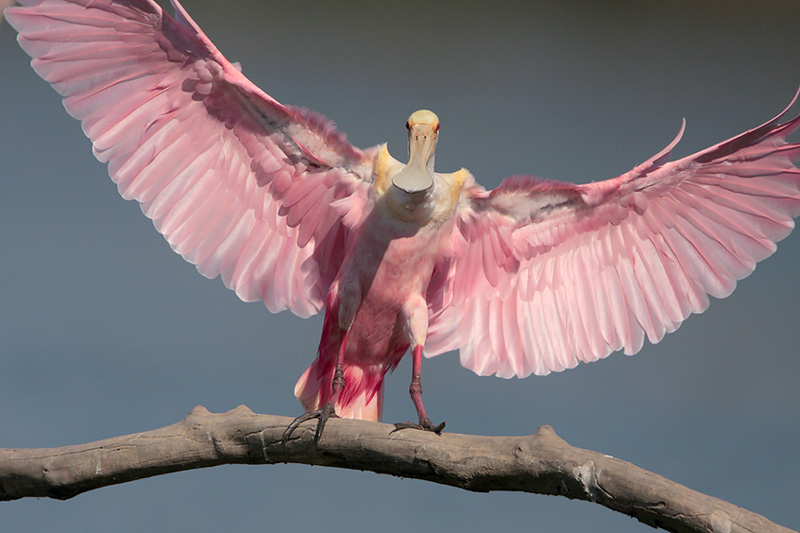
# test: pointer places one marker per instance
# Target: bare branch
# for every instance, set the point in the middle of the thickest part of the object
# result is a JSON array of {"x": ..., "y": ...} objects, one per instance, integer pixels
[{"x": 541, "y": 463}]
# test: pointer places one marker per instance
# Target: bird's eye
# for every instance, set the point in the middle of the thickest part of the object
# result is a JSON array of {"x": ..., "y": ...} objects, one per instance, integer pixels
[
  {"x": 408, "y": 125},
  {"x": 437, "y": 128}
]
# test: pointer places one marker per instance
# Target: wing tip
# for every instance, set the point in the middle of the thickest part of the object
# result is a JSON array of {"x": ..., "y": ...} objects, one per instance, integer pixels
[{"x": 182, "y": 16}]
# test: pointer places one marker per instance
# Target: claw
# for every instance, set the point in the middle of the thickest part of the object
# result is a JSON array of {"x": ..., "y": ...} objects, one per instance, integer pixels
[
  {"x": 327, "y": 411},
  {"x": 424, "y": 425}
]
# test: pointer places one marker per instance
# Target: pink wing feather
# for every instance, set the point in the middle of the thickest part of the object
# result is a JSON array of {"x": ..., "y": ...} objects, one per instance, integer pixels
[
  {"x": 548, "y": 274},
  {"x": 239, "y": 184}
]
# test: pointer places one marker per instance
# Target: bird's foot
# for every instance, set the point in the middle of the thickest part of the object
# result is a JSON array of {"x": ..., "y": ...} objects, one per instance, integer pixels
[
  {"x": 323, "y": 414},
  {"x": 425, "y": 425}
]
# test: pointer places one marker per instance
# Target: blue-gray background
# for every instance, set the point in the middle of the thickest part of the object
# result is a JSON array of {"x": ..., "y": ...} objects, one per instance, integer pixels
[{"x": 105, "y": 331}]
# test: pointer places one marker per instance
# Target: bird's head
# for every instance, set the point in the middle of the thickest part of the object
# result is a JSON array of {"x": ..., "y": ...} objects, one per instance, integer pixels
[{"x": 416, "y": 178}]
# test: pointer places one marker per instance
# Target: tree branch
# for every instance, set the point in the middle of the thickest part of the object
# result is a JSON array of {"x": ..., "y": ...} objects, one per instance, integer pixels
[{"x": 541, "y": 463}]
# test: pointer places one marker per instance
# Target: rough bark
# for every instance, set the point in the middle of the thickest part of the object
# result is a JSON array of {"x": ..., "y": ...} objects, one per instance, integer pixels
[{"x": 541, "y": 463}]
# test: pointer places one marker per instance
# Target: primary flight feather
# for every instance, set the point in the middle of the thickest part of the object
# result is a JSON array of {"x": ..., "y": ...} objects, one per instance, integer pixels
[{"x": 532, "y": 277}]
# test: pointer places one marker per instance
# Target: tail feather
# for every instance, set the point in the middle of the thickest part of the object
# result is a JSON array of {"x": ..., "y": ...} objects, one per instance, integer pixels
[{"x": 361, "y": 398}]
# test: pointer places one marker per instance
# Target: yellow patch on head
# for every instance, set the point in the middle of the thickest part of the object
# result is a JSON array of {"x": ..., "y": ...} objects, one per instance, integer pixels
[{"x": 423, "y": 116}]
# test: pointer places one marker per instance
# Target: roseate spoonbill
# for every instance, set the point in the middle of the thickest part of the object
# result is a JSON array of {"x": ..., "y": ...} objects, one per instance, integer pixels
[{"x": 531, "y": 277}]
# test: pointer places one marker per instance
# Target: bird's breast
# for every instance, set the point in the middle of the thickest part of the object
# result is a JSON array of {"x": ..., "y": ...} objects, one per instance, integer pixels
[
  {"x": 395, "y": 258},
  {"x": 381, "y": 273}
]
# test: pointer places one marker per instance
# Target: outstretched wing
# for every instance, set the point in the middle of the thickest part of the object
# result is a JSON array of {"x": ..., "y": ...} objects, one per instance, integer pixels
[
  {"x": 239, "y": 184},
  {"x": 547, "y": 274}
]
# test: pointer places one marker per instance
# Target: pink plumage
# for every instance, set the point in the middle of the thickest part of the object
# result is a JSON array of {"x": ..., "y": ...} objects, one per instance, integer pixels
[{"x": 532, "y": 277}]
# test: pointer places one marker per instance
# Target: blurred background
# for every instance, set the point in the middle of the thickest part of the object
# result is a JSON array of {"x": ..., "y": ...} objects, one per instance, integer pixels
[{"x": 105, "y": 331}]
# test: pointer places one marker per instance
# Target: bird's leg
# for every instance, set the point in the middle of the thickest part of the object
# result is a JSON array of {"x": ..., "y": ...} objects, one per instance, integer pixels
[
  {"x": 329, "y": 409},
  {"x": 416, "y": 396}
]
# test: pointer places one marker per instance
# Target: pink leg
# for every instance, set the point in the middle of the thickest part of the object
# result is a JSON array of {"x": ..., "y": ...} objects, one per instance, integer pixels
[
  {"x": 416, "y": 396},
  {"x": 328, "y": 410},
  {"x": 338, "y": 375}
]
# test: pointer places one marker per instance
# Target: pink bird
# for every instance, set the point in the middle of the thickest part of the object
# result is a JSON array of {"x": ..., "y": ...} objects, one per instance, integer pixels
[{"x": 532, "y": 277}]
